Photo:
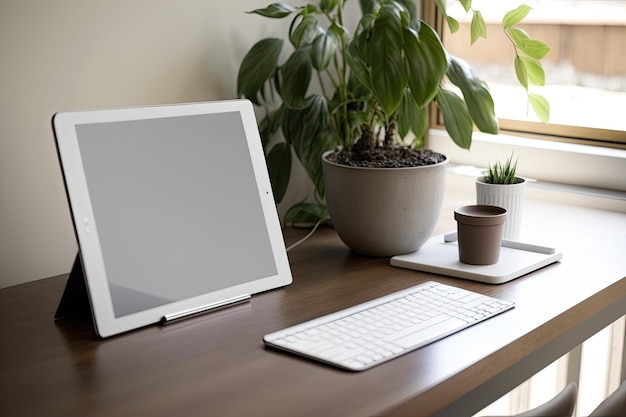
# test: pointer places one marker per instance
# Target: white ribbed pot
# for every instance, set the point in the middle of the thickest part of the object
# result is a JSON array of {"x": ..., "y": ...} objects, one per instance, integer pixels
[
  {"x": 508, "y": 196},
  {"x": 384, "y": 211}
]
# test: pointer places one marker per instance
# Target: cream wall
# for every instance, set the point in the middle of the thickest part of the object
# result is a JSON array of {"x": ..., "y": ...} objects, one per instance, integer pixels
[
  {"x": 85, "y": 54},
  {"x": 75, "y": 55}
]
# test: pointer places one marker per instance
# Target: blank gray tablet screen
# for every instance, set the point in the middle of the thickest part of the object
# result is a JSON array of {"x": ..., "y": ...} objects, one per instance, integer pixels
[{"x": 176, "y": 207}]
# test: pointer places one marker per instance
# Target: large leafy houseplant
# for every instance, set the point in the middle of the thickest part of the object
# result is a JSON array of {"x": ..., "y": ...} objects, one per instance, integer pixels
[{"x": 367, "y": 91}]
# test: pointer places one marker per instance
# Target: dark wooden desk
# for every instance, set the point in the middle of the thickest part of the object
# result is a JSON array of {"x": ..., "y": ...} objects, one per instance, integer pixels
[{"x": 216, "y": 365}]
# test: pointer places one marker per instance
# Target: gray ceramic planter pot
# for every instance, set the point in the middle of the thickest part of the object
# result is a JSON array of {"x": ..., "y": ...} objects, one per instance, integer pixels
[{"x": 384, "y": 211}]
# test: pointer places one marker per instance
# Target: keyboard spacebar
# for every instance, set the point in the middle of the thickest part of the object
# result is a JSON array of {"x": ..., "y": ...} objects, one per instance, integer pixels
[{"x": 431, "y": 333}]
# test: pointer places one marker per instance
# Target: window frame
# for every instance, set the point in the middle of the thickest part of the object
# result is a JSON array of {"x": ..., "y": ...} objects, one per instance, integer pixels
[{"x": 551, "y": 132}]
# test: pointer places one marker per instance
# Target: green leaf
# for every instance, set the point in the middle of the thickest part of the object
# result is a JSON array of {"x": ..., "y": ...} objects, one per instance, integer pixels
[
  {"x": 520, "y": 72},
  {"x": 296, "y": 77},
  {"x": 257, "y": 67},
  {"x": 341, "y": 32},
  {"x": 540, "y": 106},
  {"x": 535, "y": 49},
  {"x": 279, "y": 168},
  {"x": 270, "y": 125},
  {"x": 369, "y": 6},
  {"x": 441, "y": 4},
  {"x": 328, "y": 5},
  {"x": 478, "y": 27},
  {"x": 305, "y": 32},
  {"x": 303, "y": 213},
  {"x": 515, "y": 16},
  {"x": 360, "y": 44},
  {"x": 324, "y": 47},
  {"x": 477, "y": 96},
  {"x": 384, "y": 55},
  {"x": 357, "y": 66},
  {"x": 519, "y": 36},
  {"x": 310, "y": 9},
  {"x": 453, "y": 24},
  {"x": 275, "y": 10},
  {"x": 426, "y": 63},
  {"x": 467, "y": 4},
  {"x": 325, "y": 141},
  {"x": 411, "y": 118},
  {"x": 411, "y": 7},
  {"x": 308, "y": 131},
  {"x": 534, "y": 69},
  {"x": 456, "y": 118},
  {"x": 500, "y": 173}
]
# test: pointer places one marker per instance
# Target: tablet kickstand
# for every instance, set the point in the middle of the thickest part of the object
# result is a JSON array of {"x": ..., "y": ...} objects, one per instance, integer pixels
[{"x": 75, "y": 300}]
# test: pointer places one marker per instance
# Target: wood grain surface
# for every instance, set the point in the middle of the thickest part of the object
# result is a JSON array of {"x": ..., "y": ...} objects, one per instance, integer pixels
[{"x": 217, "y": 365}]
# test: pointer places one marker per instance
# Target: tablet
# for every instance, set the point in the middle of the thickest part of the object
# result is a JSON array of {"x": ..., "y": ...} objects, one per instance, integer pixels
[{"x": 172, "y": 208}]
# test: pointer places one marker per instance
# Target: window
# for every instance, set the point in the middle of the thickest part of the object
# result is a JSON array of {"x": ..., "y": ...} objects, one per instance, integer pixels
[{"x": 585, "y": 71}]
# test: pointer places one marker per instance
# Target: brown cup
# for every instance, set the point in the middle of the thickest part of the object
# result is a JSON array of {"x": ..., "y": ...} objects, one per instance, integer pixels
[{"x": 479, "y": 230}]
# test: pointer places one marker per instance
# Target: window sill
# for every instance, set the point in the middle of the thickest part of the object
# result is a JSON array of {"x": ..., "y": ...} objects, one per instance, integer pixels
[{"x": 582, "y": 175}]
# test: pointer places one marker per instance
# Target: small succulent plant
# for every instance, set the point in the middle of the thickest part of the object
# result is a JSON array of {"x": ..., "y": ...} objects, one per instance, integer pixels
[{"x": 500, "y": 173}]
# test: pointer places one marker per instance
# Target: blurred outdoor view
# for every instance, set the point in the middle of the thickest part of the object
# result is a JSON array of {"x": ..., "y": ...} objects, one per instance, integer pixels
[{"x": 585, "y": 71}]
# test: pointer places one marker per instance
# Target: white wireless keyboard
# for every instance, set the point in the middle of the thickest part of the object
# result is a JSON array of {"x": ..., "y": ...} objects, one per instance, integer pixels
[{"x": 376, "y": 331}]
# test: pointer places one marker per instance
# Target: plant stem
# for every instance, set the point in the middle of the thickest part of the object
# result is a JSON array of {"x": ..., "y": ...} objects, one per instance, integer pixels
[{"x": 342, "y": 71}]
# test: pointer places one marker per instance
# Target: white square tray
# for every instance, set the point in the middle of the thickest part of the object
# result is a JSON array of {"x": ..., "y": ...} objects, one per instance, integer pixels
[{"x": 440, "y": 257}]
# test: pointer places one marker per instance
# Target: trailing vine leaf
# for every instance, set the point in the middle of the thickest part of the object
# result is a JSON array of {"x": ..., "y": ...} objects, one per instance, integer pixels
[
  {"x": 456, "y": 117},
  {"x": 279, "y": 168},
  {"x": 306, "y": 213},
  {"x": 385, "y": 58},
  {"x": 477, "y": 96},
  {"x": 534, "y": 70},
  {"x": 478, "y": 28},
  {"x": 275, "y": 10},
  {"x": 520, "y": 72},
  {"x": 528, "y": 69},
  {"x": 441, "y": 4},
  {"x": 518, "y": 36},
  {"x": 426, "y": 62},
  {"x": 467, "y": 4},
  {"x": 535, "y": 49},
  {"x": 515, "y": 16},
  {"x": 257, "y": 67},
  {"x": 296, "y": 76},
  {"x": 453, "y": 24},
  {"x": 540, "y": 106}
]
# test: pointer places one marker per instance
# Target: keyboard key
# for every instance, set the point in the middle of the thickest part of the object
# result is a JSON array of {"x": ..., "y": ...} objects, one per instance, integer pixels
[{"x": 419, "y": 338}]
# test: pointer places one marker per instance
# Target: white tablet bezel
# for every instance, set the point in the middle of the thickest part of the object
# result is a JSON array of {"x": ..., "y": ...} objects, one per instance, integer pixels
[{"x": 105, "y": 322}]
